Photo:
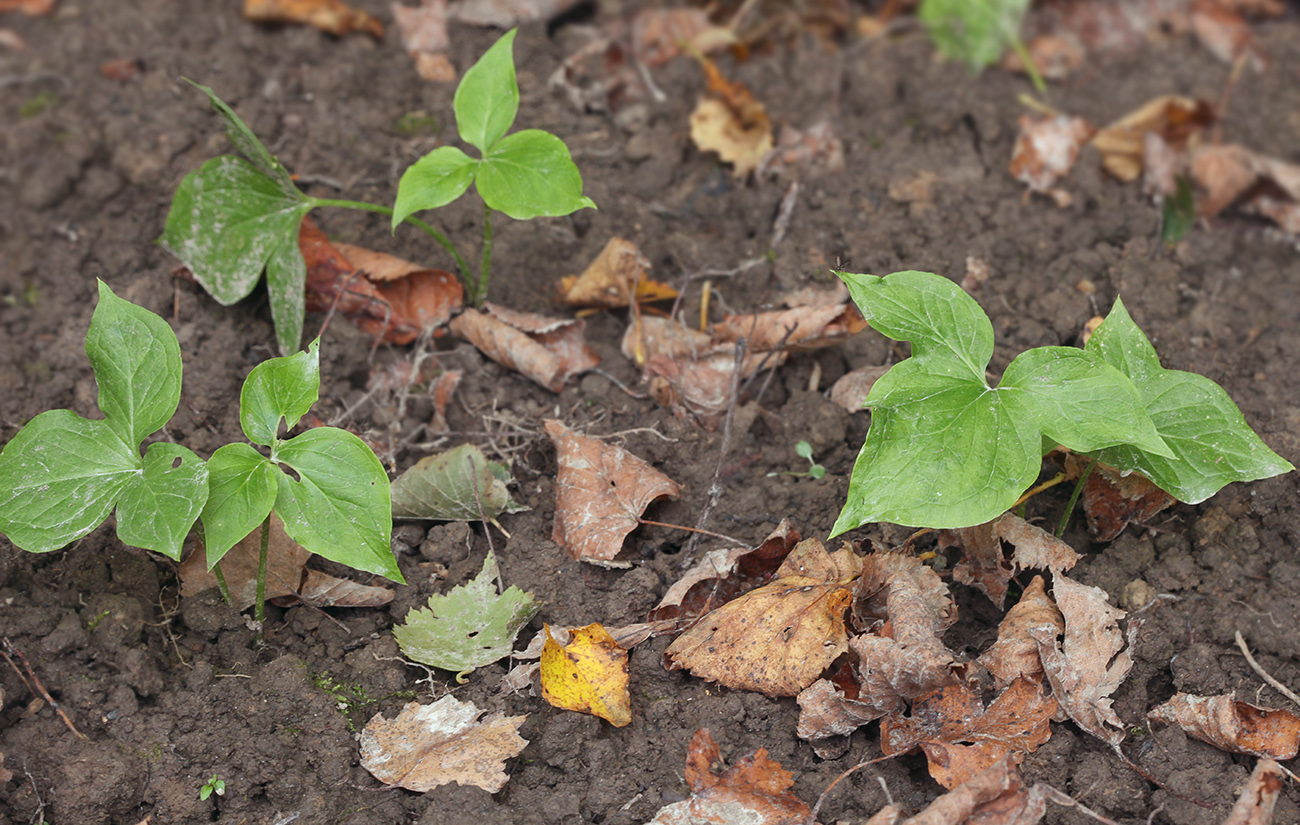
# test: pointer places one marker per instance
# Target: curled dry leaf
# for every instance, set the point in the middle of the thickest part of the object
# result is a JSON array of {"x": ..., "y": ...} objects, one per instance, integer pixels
[
  {"x": 1258, "y": 185},
  {"x": 1015, "y": 723},
  {"x": 798, "y": 328},
  {"x": 1046, "y": 149},
  {"x": 601, "y": 490},
  {"x": 1113, "y": 500},
  {"x": 1015, "y": 653},
  {"x": 31, "y": 8},
  {"x": 852, "y": 388},
  {"x": 424, "y": 36},
  {"x": 332, "y": 16},
  {"x": 658, "y": 35},
  {"x": 616, "y": 278},
  {"x": 832, "y": 708},
  {"x": 755, "y": 790},
  {"x": 956, "y": 806},
  {"x": 431, "y": 745},
  {"x": 1090, "y": 664},
  {"x": 458, "y": 485},
  {"x": 547, "y": 350},
  {"x": 1233, "y": 726},
  {"x": 778, "y": 638},
  {"x": 731, "y": 123},
  {"x": 588, "y": 674},
  {"x": 441, "y": 389},
  {"x": 287, "y": 578},
  {"x": 1178, "y": 120},
  {"x": 1259, "y": 797},
  {"x": 985, "y": 566}
]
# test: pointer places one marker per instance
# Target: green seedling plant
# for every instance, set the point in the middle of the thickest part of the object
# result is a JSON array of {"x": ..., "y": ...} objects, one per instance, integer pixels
[
  {"x": 805, "y": 451},
  {"x": 212, "y": 786},
  {"x": 62, "y": 474},
  {"x": 947, "y": 449},
  {"x": 977, "y": 32},
  {"x": 238, "y": 216}
]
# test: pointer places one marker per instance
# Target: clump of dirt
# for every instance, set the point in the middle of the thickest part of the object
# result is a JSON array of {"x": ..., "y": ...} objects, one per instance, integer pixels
[{"x": 172, "y": 693}]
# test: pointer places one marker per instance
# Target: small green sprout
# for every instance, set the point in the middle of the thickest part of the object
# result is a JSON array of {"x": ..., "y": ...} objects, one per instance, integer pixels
[
  {"x": 212, "y": 786},
  {"x": 804, "y": 450}
]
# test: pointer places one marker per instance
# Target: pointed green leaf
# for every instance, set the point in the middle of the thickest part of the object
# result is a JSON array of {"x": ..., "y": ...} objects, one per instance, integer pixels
[
  {"x": 1079, "y": 400},
  {"x": 469, "y": 627},
  {"x": 59, "y": 479},
  {"x": 487, "y": 98},
  {"x": 159, "y": 506},
  {"x": 242, "y": 487},
  {"x": 1212, "y": 444},
  {"x": 137, "y": 364},
  {"x": 339, "y": 507},
  {"x": 228, "y": 220},
  {"x": 531, "y": 174},
  {"x": 279, "y": 388},
  {"x": 458, "y": 485},
  {"x": 434, "y": 180},
  {"x": 976, "y": 32},
  {"x": 247, "y": 143},
  {"x": 286, "y": 281}
]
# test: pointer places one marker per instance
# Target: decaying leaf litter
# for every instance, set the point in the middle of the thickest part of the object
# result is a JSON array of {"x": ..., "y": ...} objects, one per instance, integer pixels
[{"x": 1086, "y": 703}]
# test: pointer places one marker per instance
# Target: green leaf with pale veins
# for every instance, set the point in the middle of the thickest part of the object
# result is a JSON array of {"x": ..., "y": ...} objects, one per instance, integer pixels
[
  {"x": 458, "y": 485},
  {"x": 487, "y": 98},
  {"x": 339, "y": 506},
  {"x": 469, "y": 627},
  {"x": 158, "y": 507},
  {"x": 242, "y": 488},
  {"x": 279, "y": 389},
  {"x": 1211, "y": 442},
  {"x": 531, "y": 174}
]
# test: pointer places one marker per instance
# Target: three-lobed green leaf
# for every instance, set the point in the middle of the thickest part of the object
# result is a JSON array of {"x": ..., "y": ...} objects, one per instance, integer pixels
[
  {"x": 974, "y": 31},
  {"x": 279, "y": 390},
  {"x": 946, "y": 449}
]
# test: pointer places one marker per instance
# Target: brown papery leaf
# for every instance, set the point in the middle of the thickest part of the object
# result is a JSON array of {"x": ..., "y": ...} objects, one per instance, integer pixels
[
  {"x": 800, "y": 328},
  {"x": 755, "y": 790},
  {"x": 852, "y": 388},
  {"x": 1091, "y": 663},
  {"x": 332, "y": 16},
  {"x": 601, "y": 490},
  {"x": 1236, "y": 727},
  {"x": 546, "y": 350},
  {"x": 825, "y": 711},
  {"x": 1015, "y": 723},
  {"x": 1175, "y": 118},
  {"x": 431, "y": 745},
  {"x": 424, "y": 36},
  {"x": 1046, "y": 149},
  {"x": 956, "y": 806},
  {"x": 985, "y": 566},
  {"x": 1015, "y": 653},
  {"x": 1259, "y": 797},
  {"x": 724, "y": 574},
  {"x": 1112, "y": 500},
  {"x": 505, "y": 14},
  {"x": 31, "y": 8},
  {"x": 659, "y": 34},
  {"x": 732, "y": 123},
  {"x": 776, "y": 639},
  {"x": 617, "y": 277},
  {"x": 1258, "y": 185}
]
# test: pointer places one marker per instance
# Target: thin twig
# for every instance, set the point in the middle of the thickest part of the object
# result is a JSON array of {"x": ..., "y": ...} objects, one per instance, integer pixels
[
  {"x": 35, "y": 685},
  {"x": 1263, "y": 674},
  {"x": 695, "y": 530}
]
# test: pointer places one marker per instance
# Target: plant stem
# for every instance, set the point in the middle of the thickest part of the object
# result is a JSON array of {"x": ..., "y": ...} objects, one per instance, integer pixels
[
  {"x": 221, "y": 582},
  {"x": 442, "y": 239},
  {"x": 1074, "y": 498},
  {"x": 1018, "y": 46},
  {"x": 479, "y": 295},
  {"x": 259, "y": 606}
]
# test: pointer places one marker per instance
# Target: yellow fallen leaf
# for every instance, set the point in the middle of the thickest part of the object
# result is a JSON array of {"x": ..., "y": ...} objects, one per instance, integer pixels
[{"x": 589, "y": 674}]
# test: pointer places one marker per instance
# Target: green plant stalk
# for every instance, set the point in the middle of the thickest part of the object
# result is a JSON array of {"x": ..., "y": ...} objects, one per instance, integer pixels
[
  {"x": 1018, "y": 46},
  {"x": 221, "y": 583},
  {"x": 479, "y": 293},
  {"x": 1074, "y": 499},
  {"x": 259, "y": 607},
  {"x": 442, "y": 239}
]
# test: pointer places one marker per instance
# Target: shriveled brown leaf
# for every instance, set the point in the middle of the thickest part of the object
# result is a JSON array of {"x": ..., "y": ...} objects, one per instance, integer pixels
[
  {"x": 984, "y": 564},
  {"x": 1227, "y": 35},
  {"x": 755, "y": 790},
  {"x": 601, "y": 490},
  {"x": 505, "y": 14},
  {"x": 956, "y": 806},
  {"x": 31, "y": 8},
  {"x": 547, "y": 350},
  {"x": 1175, "y": 118},
  {"x": 441, "y": 389},
  {"x": 657, "y": 35},
  {"x": 731, "y": 122},
  {"x": 1015, "y": 653},
  {"x": 724, "y": 574},
  {"x": 123, "y": 69},
  {"x": 961, "y": 738},
  {"x": 431, "y": 745},
  {"x": 776, "y": 639},
  {"x": 332, "y": 16},
  {"x": 1046, "y": 149},
  {"x": 1091, "y": 662},
  {"x": 852, "y": 388},
  {"x": 1233, "y": 726},
  {"x": 798, "y": 328},
  {"x": 829, "y": 709},
  {"x": 424, "y": 36},
  {"x": 1258, "y": 185},
  {"x": 1113, "y": 500},
  {"x": 1259, "y": 797},
  {"x": 700, "y": 389},
  {"x": 817, "y": 147},
  {"x": 650, "y": 335},
  {"x": 617, "y": 277},
  {"x": 287, "y": 576}
]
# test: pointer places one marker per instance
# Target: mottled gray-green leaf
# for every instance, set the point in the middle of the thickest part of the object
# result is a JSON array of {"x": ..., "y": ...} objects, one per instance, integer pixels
[{"x": 458, "y": 485}]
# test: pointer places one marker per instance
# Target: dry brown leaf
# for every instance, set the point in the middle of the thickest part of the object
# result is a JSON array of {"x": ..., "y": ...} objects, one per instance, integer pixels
[
  {"x": 431, "y": 745},
  {"x": 122, "y": 69},
  {"x": 1113, "y": 500},
  {"x": 31, "y": 8},
  {"x": 658, "y": 35},
  {"x": 1090, "y": 664},
  {"x": 984, "y": 564},
  {"x": 546, "y": 350},
  {"x": 1258, "y": 185},
  {"x": 649, "y": 336},
  {"x": 852, "y": 388},
  {"x": 1015, "y": 723},
  {"x": 1015, "y": 654},
  {"x": 817, "y": 147},
  {"x": 616, "y": 277},
  {"x": 424, "y": 36},
  {"x": 731, "y": 123},
  {"x": 776, "y": 639},
  {"x": 1046, "y": 150},
  {"x": 332, "y": 16},
  {"x": 441, "y": 389},
  {"x": 755, "y": 790},
  {"x": 799, "y": 328},
  {"x": 601, "y": 490},
  {"x": 287, "y": 578},
  {"x": 1227, "y": 35},
  {"x": 1233, "y": 726},
  {"x": 1259, "y": 797},
  {"x": 700, "y": 390},
  {"x": 505, "y": 14},
  {"x": 829, "y": 709},
  {"x": 1177, "y": 119},
  {"x": 956, "y": 806}
]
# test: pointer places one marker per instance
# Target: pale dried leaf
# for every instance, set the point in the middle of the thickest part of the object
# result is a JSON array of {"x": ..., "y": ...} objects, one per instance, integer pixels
[
  {"x": 617, "y": 277},
  {"x": 657, "y": 35},
  {"x": 825, "y": 711},
  {"x": 431, "y": 745},
  {"x": 1233, "y": 726},
  {"x": 1175, "y": 118},
  {"x": 816, "y": 148},
  {"x": 1046, "y": 149},
  {"x": 332, "y": 16},
  {"x": 505, "y": 14},
  {"x": 601, "y": 491},
  {"x": 1259, "y": 797},
  {"x": 323, "y": 590},
  {"x": 547, "y": 350},
  {"x": 800, "y": 328},
  {"x": 852, "y": 388},
  {"x": 423, "y": 27},
  {"x": 956, "y": 806},
  {"x": 1015, "y": 653}
]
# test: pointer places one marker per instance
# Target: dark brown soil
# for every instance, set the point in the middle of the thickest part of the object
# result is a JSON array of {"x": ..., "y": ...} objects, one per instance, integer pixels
[{"x": 171, "y": 692}]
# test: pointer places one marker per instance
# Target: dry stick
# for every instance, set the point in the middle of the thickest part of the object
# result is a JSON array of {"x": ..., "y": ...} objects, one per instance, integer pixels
[
  {"x": 1263, "y": 674},
  {"x": 695, "y": 530},
  {"x": 812, "y": 817},
  {"x": 35, "y": 685},
  {"x": 715, "y": 487}
]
